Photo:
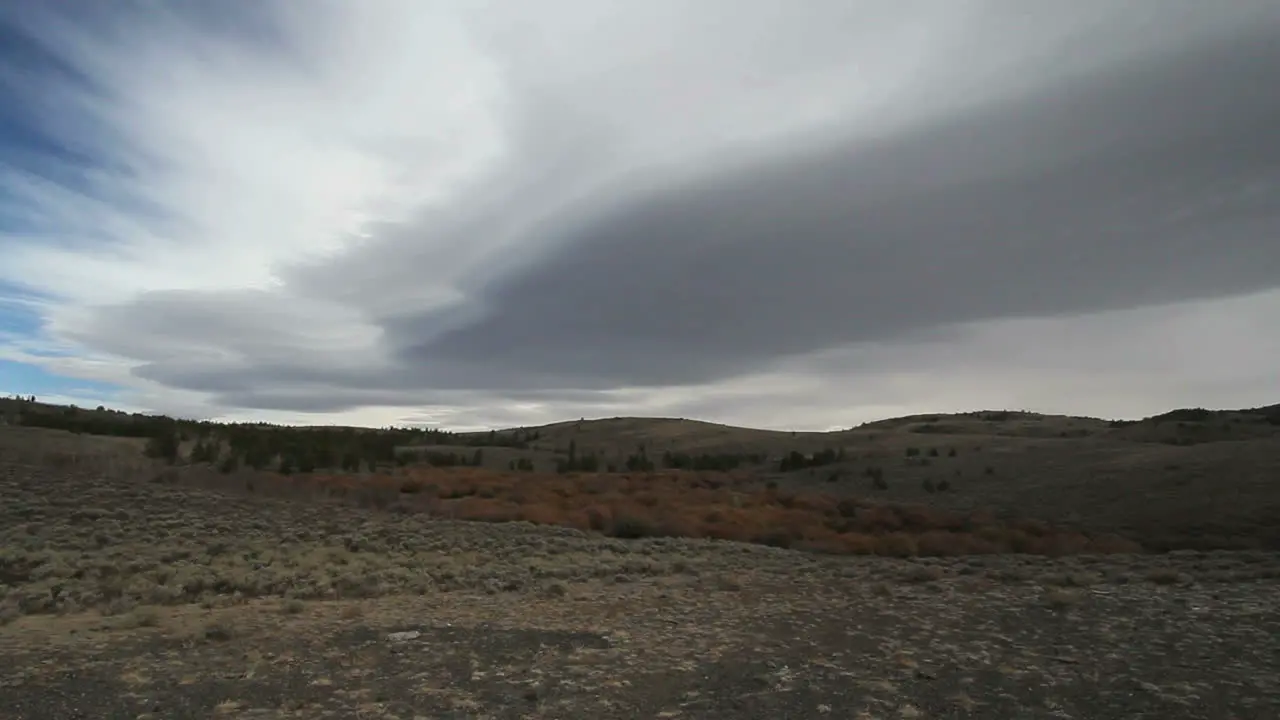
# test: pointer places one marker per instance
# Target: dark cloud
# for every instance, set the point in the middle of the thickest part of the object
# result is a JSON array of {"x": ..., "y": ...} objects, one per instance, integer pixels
[{"x": 1145, "y": 184}]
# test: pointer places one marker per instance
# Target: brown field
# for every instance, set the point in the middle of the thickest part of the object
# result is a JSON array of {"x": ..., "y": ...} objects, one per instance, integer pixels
[
  {"x": 1172, "y": 484},
  {"x": 722, "y": 506},
  {"x": 129, "y": 589}
]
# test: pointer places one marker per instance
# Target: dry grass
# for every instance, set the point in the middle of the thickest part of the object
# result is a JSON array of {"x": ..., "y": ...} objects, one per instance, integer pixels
[
  {"x": 1175, "y": 484},
  {"x": 1166, "y": 483},
  {"x": 71, "y": 541},
  {"x": 179, "y": 595},
  {"x": 723, "y": 506}
]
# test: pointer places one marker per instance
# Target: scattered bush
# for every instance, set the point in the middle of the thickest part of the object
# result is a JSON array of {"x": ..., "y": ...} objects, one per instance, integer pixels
[
  {"x": 1062, "y": 599},
  {"x": 923, "y": 574},
  {"x": 706, "y": 504},
  {"x": 412, "y": 487},
  {"x": 1164, "y": 576},
  {"x": 631, "y": 528},
  {"x": 218, "y": 631},
  {"x": 144, "y": 617}
]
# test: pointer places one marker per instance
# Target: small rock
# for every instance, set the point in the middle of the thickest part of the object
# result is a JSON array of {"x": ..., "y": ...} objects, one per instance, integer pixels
[{"x": 403, "y": 636}]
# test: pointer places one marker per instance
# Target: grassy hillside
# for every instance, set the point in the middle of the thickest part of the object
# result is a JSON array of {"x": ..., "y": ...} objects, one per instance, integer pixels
[{"x": 1187, "y": 478}]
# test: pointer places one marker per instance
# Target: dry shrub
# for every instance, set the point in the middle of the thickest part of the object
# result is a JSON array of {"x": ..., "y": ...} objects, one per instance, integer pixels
[
  {"x": 724, "y": 497},
  {"x": 879, "y": 519},
  {"x": 968, "y": 544},
  {"x": 543, "y": 515},
  {"x": 144, "y": 617},
  {"x": 412, "y": 486},
  {"x": 981, "y": 518},
  {"x": 1063, "y": 599},
  {"x": 218, "y": 630},
  {"x": 738, "y": 524},
  {"x": 1018, "y": 541},
  {"x": 724, "y": 531},
  {"x": 632, "y": 526},
  {"x": 848, "y": 508},
  {"x": 599, "y": 517},
  {"x": 1164, "y": 576},
  {"x": 1110, "y": 544},
  {"x": 484, "y": 510},
  {"x": 779, "y": 538},
  {"x": 920, "y": 519},
  {"x": 377, "y": 497},
  {"x": 941, "y": 543},
  {"x": 726, "y": 506},
  {"x": 1032, "y": 528},
  {"x": 1062, "y": 544},
  {"x": 710, "y": 482},
  {"x": 648, "y": 499},
  {"x": 990, "y": 532},
  {"x": 576, "y": 519},
  {"x": 898, "y": 544},
  {"x": 855, "y": 544},
  {"x": 923, "y": 573},
  {"x": 680, "y": 525},
  {"x": 841, "y": 543},
  {"x": 814, "y": 504}
]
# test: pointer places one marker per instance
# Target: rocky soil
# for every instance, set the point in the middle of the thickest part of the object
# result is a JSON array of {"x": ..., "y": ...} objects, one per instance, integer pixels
[{"x": 129, "y": 597}]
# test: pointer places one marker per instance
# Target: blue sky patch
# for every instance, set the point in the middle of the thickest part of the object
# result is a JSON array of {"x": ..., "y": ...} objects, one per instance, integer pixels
[
  {"x": 18, "y": 322},
  {"x": 23, "y": 379},
  {"x": 15, "y": 317}
]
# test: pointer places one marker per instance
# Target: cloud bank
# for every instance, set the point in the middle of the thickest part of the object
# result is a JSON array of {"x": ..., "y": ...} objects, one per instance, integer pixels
[{"x": 474, "y": 214}]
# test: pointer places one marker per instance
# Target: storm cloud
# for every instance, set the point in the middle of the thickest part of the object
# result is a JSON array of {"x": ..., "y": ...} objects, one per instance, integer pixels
[{"x": 497, "y": 215}]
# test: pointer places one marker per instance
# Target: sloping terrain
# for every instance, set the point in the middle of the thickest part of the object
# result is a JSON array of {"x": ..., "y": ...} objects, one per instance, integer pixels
[
  {"x": 617, "y": 437},
  {"x": 1188, "y": 478},
  {"x": 1211, "y": 491}
]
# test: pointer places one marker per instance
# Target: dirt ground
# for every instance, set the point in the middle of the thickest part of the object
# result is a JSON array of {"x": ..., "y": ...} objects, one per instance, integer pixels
[
  {"x": 127, "y": 594},
  {"x": 816, "y": 644}
]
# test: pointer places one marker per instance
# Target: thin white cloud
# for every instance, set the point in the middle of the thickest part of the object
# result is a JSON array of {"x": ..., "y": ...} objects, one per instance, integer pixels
[{"x": 220, "y": 161}]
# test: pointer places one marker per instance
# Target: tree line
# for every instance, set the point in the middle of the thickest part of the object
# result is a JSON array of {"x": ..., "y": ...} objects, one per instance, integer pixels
[{"x": 289, "y": 449}]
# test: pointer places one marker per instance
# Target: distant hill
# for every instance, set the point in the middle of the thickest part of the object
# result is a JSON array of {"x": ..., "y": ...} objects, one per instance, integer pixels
[
  {"x": 1198, "y": 477},
  {"x": 626, "y": 434}
]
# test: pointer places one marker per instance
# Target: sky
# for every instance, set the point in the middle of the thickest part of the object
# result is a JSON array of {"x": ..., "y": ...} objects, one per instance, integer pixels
[{"x": 476, "y": 214}]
